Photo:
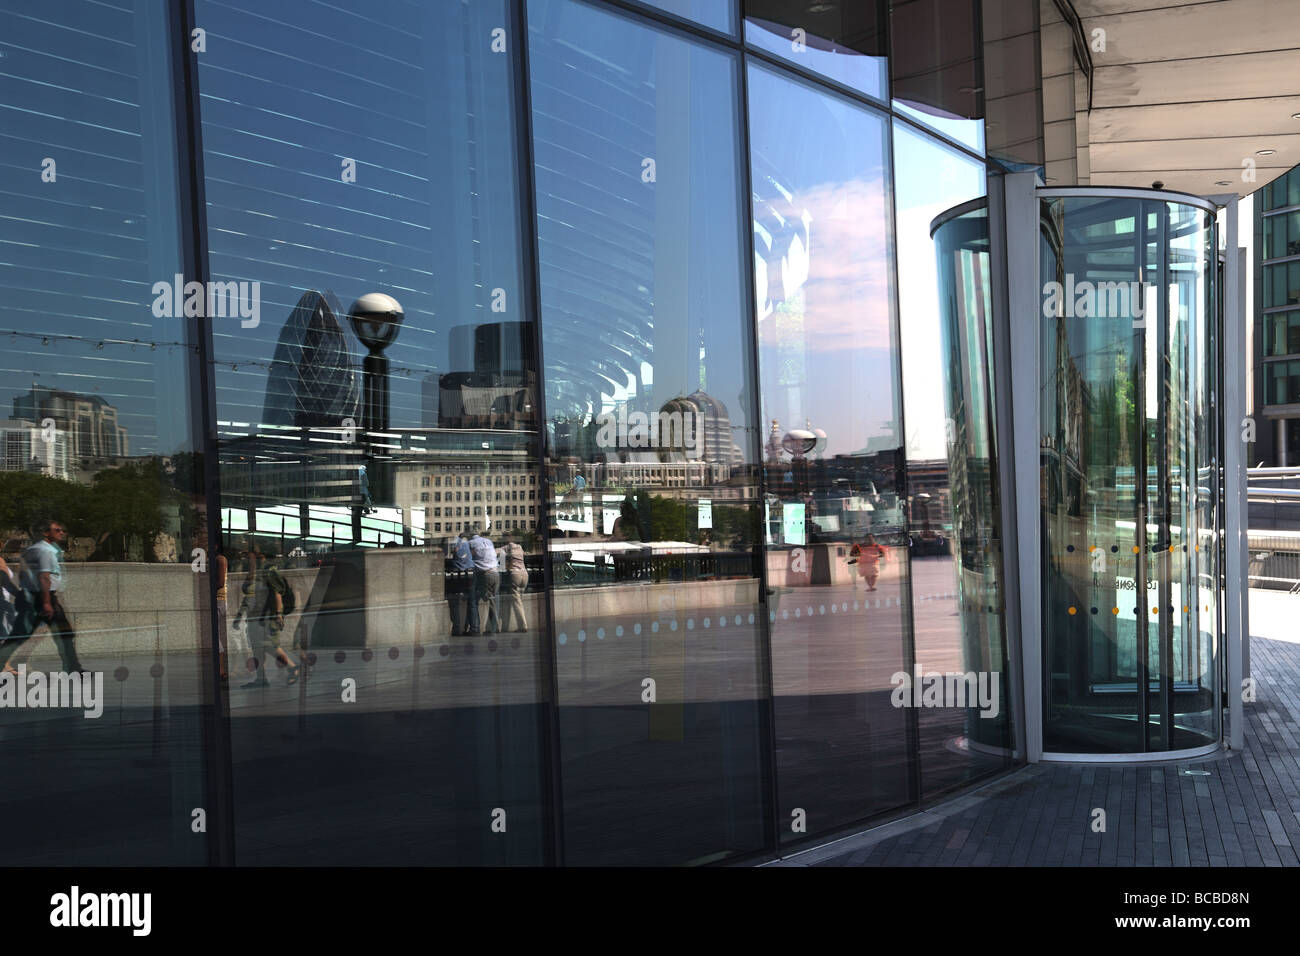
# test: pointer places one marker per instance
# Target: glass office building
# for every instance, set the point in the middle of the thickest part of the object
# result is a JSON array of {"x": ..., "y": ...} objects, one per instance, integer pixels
[
  {"x": 570, "y": 432},
  {"x": 1277, "y": 326}
]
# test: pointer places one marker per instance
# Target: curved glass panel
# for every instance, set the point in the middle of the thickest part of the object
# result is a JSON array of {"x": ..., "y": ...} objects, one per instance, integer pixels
[
  {"x": 98, "y": 439},
  {"x": 375, "y": 409},
  {"x": 837, "y": 557},
  {"x": 976, "y": 736},
  {"x": 1128, "y": 476},
  {"x": 650, "y": 437}
]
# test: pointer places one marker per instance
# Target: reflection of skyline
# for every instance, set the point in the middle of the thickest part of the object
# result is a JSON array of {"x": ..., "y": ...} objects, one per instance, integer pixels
[{"x": 823, "y": 277}]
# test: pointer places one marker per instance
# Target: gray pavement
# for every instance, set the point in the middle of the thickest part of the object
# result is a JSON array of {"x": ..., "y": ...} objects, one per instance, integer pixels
[{"x": 1231, "y": 809}]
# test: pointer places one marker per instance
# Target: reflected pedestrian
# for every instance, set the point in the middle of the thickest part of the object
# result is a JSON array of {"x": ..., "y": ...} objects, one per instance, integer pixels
[
  {"x": 486, "y": 581},
  {"x": 868, "y": 556},
  {"x": 511, "y": 557},
  {"x": 460, "y": 588},
  {"x": 44, "y": 582},
  {"x": 221, "y": 567},
  {"x": 263, "y": 606},
  {"x": 13, "y": 607}
]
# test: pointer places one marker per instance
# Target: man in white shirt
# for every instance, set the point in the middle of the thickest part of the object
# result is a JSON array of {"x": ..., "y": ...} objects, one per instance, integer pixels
[{"x": 44, "y": 583}]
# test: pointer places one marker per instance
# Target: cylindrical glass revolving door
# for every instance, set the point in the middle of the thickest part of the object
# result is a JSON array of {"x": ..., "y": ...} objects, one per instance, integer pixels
[{"x": 1129, "y": 479}]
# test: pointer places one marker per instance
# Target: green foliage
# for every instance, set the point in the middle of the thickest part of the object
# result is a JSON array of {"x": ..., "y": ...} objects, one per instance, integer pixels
[{"x": 122, "y": 506}]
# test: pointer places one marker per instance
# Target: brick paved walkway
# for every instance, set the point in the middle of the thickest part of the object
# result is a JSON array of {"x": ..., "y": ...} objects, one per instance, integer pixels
[{"x": 1240, "y": 809}]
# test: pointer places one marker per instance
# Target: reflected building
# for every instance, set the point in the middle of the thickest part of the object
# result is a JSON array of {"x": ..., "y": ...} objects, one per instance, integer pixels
[
  {"x": 494, "y": 381},
  {"x": 94, "y": 439},
  {"x": 26, "y": 447},
  {"x": 313, "y": 382}
]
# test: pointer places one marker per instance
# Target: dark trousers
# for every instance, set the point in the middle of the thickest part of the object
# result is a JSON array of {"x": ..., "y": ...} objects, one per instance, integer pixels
[
  {"x": 461, "y": 601},
  {"x": 30, "y": 618}
]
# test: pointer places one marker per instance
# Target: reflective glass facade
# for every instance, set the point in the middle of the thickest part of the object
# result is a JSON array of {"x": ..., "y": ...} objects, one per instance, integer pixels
[{"x": 517, "y": 431}]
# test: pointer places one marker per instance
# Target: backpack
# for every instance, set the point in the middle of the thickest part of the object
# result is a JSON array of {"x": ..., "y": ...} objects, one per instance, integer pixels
[{"x": 284, "y": 590}]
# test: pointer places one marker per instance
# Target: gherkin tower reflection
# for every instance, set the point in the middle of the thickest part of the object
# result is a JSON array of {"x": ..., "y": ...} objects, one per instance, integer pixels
[{"x": 313, "y": 381}]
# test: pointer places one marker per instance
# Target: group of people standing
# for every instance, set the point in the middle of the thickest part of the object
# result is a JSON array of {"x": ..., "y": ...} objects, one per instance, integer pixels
[{"x": 474, "y": 569}]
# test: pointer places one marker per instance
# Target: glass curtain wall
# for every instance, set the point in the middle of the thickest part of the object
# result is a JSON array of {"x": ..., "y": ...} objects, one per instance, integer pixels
[
  {"x": 102, "y": 615},
  {"x": 1129, "y": 475},
  {"x": 540, "y": 363},
  {"x": 834, "y": 513},
  {"x": 377, "y": 430},
  {"x": 650, "y": 440},
  {"x": 953, "y": 501}
]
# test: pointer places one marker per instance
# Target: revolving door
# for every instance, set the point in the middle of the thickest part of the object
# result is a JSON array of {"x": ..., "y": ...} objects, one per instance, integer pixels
[{"x": 1129, "y": 473}]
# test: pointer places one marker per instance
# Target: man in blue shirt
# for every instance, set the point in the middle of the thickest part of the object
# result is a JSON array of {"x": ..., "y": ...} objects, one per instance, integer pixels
[
  {"x": 460, "y": 588},
  {"x": 45, "y": 584},
  {"x": 486, "y": 580}
]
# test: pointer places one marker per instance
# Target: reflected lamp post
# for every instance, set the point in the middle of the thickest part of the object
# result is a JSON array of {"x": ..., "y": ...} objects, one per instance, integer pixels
[{"x": 376, "y": 319}]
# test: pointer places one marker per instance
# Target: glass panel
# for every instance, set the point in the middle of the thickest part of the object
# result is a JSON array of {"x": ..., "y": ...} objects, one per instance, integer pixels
[
  {"x": 96, "y": 437},
  {"x": 362, "y": 170},
  {"x": 651, "y": 439},
  {"x": 1282, "y": 235},
  {"x": 1191, "y": 597},
  {"x": 718, "y": 14},
  {"x": 834, "y": 455},
  {"x": 842, "y": 41},
  {"x": 935, "y": 66},
  {"x": 1129, "y": 660},
  {"x": 955, "y": 522},
  {"x": 1282, "y": 333},
  {"x": 1282, "y": 284}
]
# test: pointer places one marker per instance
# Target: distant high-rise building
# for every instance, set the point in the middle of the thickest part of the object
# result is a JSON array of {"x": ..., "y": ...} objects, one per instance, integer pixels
[
  {"x": 493, "y": 379},
  {"x": 25, "y": 446},
  {"x": 313, "y": 381},
  {"x": 90, "y": 423}
]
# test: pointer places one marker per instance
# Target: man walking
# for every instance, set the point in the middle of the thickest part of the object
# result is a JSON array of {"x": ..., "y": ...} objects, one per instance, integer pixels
[
  {"x": 486, "y": 580},
  {"x": 44, "y": 582}
]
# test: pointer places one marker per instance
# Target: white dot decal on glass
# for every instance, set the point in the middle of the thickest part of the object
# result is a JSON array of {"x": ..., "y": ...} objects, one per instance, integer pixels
[
  {"x": 564, "y": 638},
  {"x": 798, "y": 612},
  {"x": 722, "y": 621},
  {"x": 706, "y": 622},
  {"x": 600, "y": 633},
  {"x": 673, "y": 625},
  {"x": 582, "y": 636},
  {"x": 844, "y": 606},
  {"x": 690, "y": 624},
  {"x": 821, "y": 609},
  {"x": 618, "y": 631},
  {"x": 654, "y": 628},
  {"x": 737, "y": 620},
  {"x": 810, "y": 610},
  {"x": 751, "y": 619},
  {"x": 833, "y": 608},
  {"x": 855, "y": 605},
  {"x": 786, "y": 614},
  {"x": 637, "y": 628}
]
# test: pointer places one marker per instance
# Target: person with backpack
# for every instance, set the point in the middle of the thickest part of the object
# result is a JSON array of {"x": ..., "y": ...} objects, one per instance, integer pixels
[{"x": 268, "y": 602}]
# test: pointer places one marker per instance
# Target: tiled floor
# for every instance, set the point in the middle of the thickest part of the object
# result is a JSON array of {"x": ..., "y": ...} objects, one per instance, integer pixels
[{"x": 1234, "y": 809}]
